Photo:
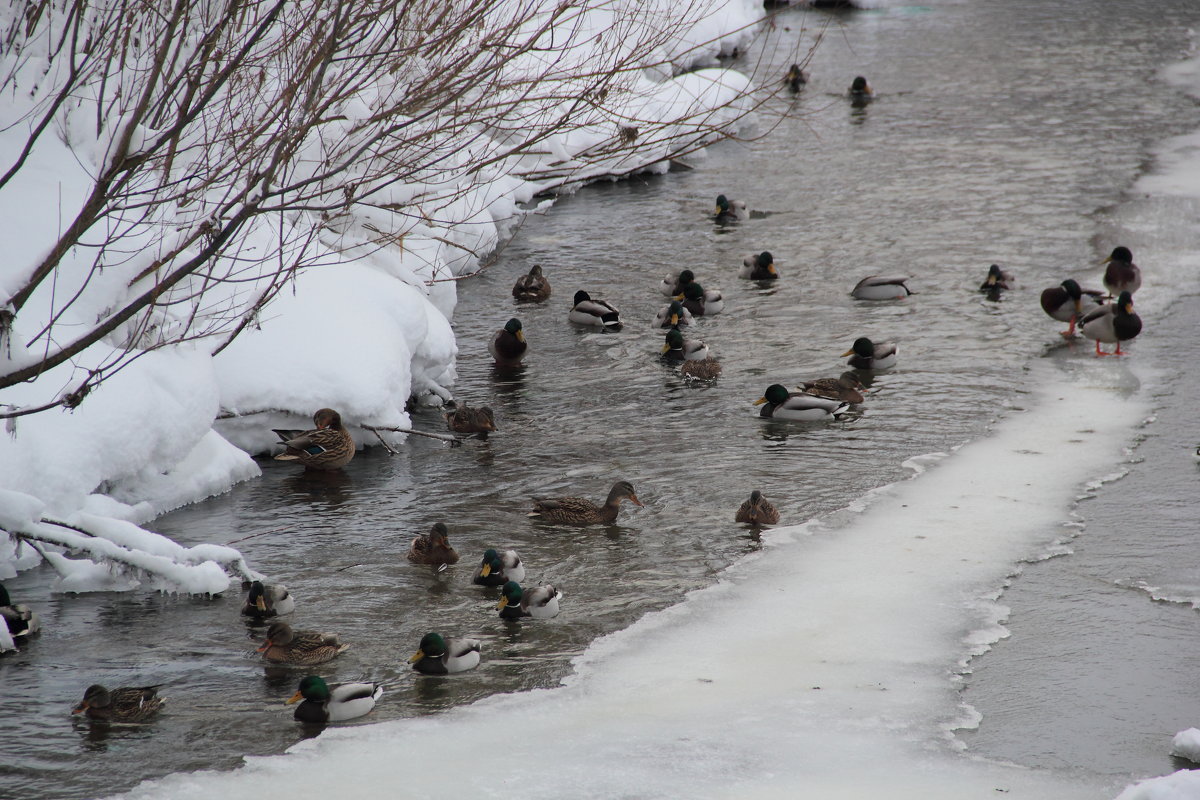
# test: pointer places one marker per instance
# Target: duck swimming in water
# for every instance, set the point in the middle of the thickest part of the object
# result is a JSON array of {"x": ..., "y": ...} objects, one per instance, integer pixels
[
  {"x": 508, "y": 344},
  {"x": 778, "y": 403},
  {"x": 846, "y": 388},
  {"x": 730, "y": 210},
  {"x": 881, "y": 287},
  {"x": 433, "y": 547},
  {"x": 759, "y": 267},
  {"x": 126, "y": 704},
  {"x": 539, "y": 602},
  {"x": 757, "y": 511},
  {"x": 594, "y": 313},
  {"x": 865, "y": 354},
  {"x": 437, "y": 655},
  {"x": 287, "y": 646},
  {"x": 532, "y": 288},
  {"x": 498, "y": 568},
  {"x": 266, "y": 600},
  {"x": 581, "y": 511},
  {"x": 323, "y": 704}
]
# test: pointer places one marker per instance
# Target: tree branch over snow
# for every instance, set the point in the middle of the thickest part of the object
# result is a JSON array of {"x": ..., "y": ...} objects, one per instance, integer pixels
[{"x": 211, "y": 150}]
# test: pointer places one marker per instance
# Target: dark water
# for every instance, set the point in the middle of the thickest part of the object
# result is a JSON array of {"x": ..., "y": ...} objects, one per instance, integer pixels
[{"x": 1002, "y": 132}]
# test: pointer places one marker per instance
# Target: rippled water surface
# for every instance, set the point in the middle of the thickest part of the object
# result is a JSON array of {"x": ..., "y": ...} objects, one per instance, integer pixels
[{"x": 1001, "y": 133}]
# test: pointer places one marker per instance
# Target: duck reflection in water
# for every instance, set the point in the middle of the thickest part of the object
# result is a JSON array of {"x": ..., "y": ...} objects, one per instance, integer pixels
[
  {"x": 327, "y": 487},
  {"x": 508, "y": 380}
]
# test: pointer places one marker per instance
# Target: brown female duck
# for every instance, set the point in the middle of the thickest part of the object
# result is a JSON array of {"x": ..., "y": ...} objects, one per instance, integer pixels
[
  {"x": 757, "y": 511},
  {"x": 126, "y": 704},
  {"x": 433, "y": 547},
  {"x": 466, "y": 419},
  {"x": 286, "y": 646},
  {"x": 532, "y": 288},
  {"x": 327, "y": 446},
  {"x": 580, "y": 511}
]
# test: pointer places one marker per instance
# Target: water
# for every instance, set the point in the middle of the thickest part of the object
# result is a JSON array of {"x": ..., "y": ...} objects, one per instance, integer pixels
[{"x": 1004, "y": 134}]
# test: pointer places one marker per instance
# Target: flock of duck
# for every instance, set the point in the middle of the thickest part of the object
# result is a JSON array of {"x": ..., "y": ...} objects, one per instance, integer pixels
[{"x": 329, "y": 446}]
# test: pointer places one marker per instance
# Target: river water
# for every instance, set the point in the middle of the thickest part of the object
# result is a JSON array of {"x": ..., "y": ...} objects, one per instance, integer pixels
[{"x": 1006, "y": 133}]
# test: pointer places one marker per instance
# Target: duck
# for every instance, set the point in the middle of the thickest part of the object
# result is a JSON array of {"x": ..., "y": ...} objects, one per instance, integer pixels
[
  {"x": 865, "y": 354},
  {"x": 673, "y": 282},
  {"x": 860, "y": 89},
  {"x": 795, "y": 78},
  {"x": 778, "y": 403},
  {"x": 580, "y": 511},
  {"x": 286, "y": 646},
  {"x": 677, "y": 349},
  {"x": 322, "y": 704},
  {"x": 126, "y": 704},
  {"x": 730, "y": 210},
  {"x": 1067, "y": 302},
  {"x": 757, "y": 511},
  {"x": 266, "y": 600},
  {"x": 759, "y": 267},
  {"x": 997, "y": 280},
  {"x": 532, "y": 288},
  {"x": 433, "y": 547},
  {"x": 18, "y": 618},
  {"x": 881, "y": 287},
  {"x": 845, "y": 387},
  {"x": 499, "y": 567},
  {"x": 596, "y": 313},
  {"x": 539, "y": 602},
  {"x": 700, "y": 301},
  {"x": 440, "y": 656},
  {"x": 508, "y": 344},
  {"x": 467, "y": 419},
  {"x": 1121, "y": 274},
  {"x": 706, "y": 369},
  {"x": 1113, "y": 324},
  {"x": 328, "y": 446},
  {"x": 673, "y": 315}
]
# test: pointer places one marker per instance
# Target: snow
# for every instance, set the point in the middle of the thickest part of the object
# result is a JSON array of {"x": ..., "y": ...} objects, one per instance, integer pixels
[
  {"x": 1186, "y": 744},
  {"x": 177, "y": 424}
]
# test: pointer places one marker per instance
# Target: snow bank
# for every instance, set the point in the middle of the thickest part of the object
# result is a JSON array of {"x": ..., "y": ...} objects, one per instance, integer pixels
[{"x": 362, "y": 329}]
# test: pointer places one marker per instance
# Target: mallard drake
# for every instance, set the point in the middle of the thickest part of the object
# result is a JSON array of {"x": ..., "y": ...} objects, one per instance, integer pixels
[
  {"x": 266, "y": 600},
  {"x": 677, "y": 349},
  {"x": 327, "y": 446},
  {"x": 845, "y": 387},
  {"x": 465, "y": 419},
  {"x": 700, "y": 301},
  {"x": 286, "y": 646},
  {"x": 127, "y": 704},
  {"x": 673, "y": 283},
  {"x": 1067, "y": 302},
  {"x": 997, "y": 280},
  {"x": 539, "y": 602},
  {"x": 778, "y": 403},
  {"x": 508, "y": 345},
  {"x": 497, "y": 568},
  {"x": 759, "y": 267},
  {"x": 1121, "y": 274},
  {"x": 730, "y": 210},
  {"x": 18, "y": 617},
  {"x": 579, "y": 511},
  {"x": 322, "y": 704},
  {"x": 439, "y": 656},
  {"x": 865, "y": 354},
  {"x": 596, "y": 313},
  {"x": 673, "y": 315},
  {"x": 706, "y": 369},
  {"x": 1114, "y": 323},
  {"x": 532, "y": 288},
  {"x": 860, "y": 89},
  {"x": 757, "y": 511},
  {"x": 433, "y": 547},
  {"x": 881, "y": 287},
  {"x": 795, "y": 78}
]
